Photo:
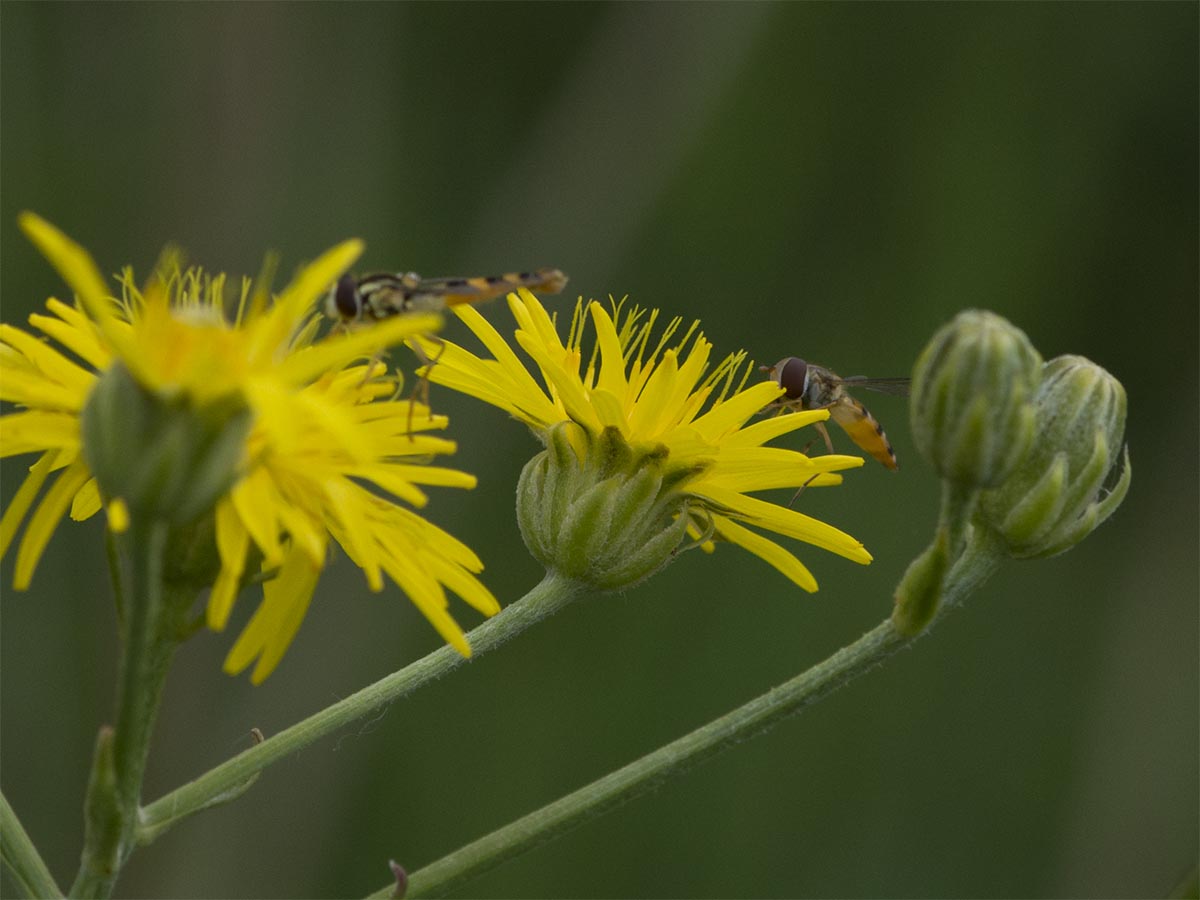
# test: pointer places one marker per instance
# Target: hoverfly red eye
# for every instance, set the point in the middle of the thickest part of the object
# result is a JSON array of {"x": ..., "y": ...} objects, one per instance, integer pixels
[
  {"x": 346, "y": 301},
  {"x": 792, "y": 375}
]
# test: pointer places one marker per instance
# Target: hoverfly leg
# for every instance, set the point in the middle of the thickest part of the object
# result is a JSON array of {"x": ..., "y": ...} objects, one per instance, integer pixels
[
  {"x": 375, "y": 360},
  {"x": 824, "y": 432},
  {"x": 796, "y": 496},
  {"x": 781, "y": 406},
  {"x": 421, "y": 388}
]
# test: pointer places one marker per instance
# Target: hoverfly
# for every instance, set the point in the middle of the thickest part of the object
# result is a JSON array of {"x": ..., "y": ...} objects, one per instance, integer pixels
[
  {"x": 809, "y": 386},
  {"x": 381, "y": 296},
  {"x": 354, "y": 301}
]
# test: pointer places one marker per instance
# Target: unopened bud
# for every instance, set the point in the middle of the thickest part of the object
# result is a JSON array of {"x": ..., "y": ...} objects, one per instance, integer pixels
[
  {"x": 971, "y": 410},
  {"x": 1057, "y": 496}
]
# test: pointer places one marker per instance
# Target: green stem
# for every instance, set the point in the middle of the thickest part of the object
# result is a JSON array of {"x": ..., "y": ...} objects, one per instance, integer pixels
[
  {"x": 749, "y": 720},
  {"x": 144, "y": 667},
  {"x": 120, "y": 761},
  {"x": 21, "y": 858},
  {"x": 958, "y": 505},
  {"x": 982, "y": 555},
  {"x": 228, "y": 779}
]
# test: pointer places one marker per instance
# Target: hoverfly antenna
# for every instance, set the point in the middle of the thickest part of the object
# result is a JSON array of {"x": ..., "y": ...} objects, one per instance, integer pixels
[
  {"x": 344, "y": 301},
  {"x": 792, "y": 375}
]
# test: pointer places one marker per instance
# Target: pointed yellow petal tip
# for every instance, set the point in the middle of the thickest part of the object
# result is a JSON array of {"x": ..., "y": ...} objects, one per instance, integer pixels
[
  {"x": 73, "y": 262},
  {"x": 118, "y": 516},
  {"x": 352, "y": 247},
  {"x": 260, "y": 673},
  {"x": 459, "y": 643}
]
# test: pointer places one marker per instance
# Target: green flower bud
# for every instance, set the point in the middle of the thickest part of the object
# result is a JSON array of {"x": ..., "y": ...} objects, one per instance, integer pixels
[
  {"x": 1057, "y": 497},
  {"x": 164, "y": 457},
  {"x": 971, "y": 412},
  {"x": 919, "y": 593},
  {"x": 103, "y": 825},
  {"x": 592, "y": 509}
]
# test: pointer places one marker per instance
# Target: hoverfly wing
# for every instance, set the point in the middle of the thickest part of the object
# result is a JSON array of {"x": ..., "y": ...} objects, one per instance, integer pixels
[
  {"x": 897, "y": 387},
  {"x": 455, "y": 291}
]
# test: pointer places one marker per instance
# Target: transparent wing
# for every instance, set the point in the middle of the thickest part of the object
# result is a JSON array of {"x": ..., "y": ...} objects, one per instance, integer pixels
[{"x": 897, "y": 387}]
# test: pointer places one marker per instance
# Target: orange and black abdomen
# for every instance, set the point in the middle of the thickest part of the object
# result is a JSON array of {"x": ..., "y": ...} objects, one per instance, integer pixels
[
  {"x": 863, "y": 429},
  {"x": 486, "y": 287}
]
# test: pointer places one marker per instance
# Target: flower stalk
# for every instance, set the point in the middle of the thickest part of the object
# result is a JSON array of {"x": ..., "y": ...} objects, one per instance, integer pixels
[
  {"x": 973, "y": 419},
  {"x": 225, "y": 781},
  {"x": 752, "y": 719},
  {"x": 150, "y": 634},
  {"x": 21, "y": 858}
]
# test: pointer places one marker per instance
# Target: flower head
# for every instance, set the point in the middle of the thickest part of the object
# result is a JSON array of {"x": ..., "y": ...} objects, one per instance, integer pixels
[
  {"x": 634, "y": 407},
  {"x": 325, "y": 457}
]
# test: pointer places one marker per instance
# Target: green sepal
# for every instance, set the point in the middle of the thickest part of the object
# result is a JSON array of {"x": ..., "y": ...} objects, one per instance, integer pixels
[
  {"x": 162, "y": 456},
  {"x": 608, "y": 519}
]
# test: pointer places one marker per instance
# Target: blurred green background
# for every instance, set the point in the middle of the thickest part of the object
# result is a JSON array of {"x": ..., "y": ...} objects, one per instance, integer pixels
[{"x": 830, "y": 181}]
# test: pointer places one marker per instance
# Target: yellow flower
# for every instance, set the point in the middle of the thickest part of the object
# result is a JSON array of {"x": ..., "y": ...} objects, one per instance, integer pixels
[
  {"x": 658, "y": 402},
  {"x": 327, "y": 448}
]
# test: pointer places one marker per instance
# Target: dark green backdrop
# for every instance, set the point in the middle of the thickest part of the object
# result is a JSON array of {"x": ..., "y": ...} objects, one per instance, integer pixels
[{"x": 828, "y": 181}]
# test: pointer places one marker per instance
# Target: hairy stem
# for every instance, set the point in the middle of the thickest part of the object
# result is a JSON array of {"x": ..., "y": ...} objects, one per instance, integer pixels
[
  {"x": 25, "y": 865},
  {"x": 229, "y": 779}
]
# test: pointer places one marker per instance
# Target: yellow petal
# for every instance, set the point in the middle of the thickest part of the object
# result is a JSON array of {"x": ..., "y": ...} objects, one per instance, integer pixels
[
  {"x": 766, "y": 550},
  {"x": 45, "y": 519},
  {"x": 785, "y": 521},
  {"x": 275, "y": 328},
  {"x": 762, "y": 468},
  {"x": 74, "y": 331},
  {"x": 356, "y": 530},
  {"x": 77, "y": 269},
  {"x": 273, "y": 625},
  {"x": 341, "y": 349},
  {"x": 29, "y": 432},
  {"x": 255, "y": 499},
  {"x": 773, "y": 427},
  {"x": 567, "y": 383},
  {"x": 87, "y": 501},
  {"x": 730, "y": 415},
  {"x": 73, "y": 263},
  {"x": 233, "y": 540},
  {"x": 48, "y": 361},
  {"x": 23, "y": 498},
  {"x": 118, "y": 515},
  {"x": 611, "y": 377},
  {"x": 427, "y": 595}
]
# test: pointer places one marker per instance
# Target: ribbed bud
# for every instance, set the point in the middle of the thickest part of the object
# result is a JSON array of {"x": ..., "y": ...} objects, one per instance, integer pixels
[
  {"x": 162, "y": 456},
  {"x": 1057, "y": 497},
  {"x": 971, "y": 409},
  {"x": 594, "y": 510}
]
